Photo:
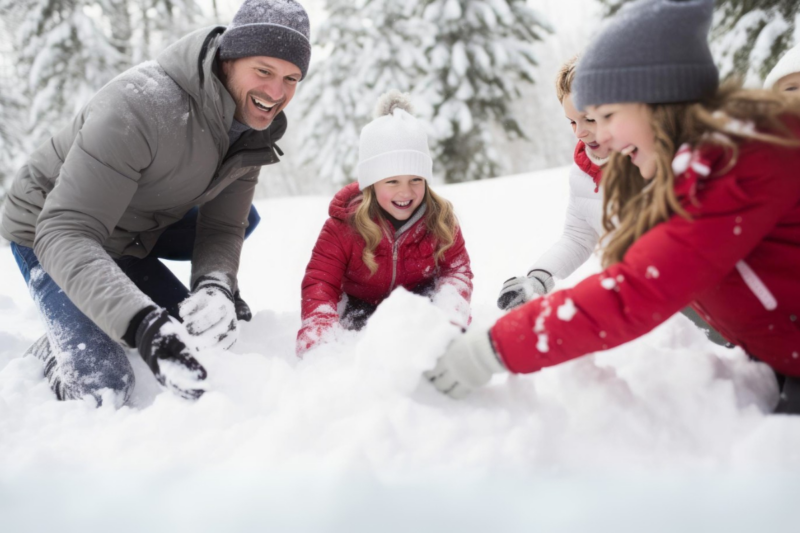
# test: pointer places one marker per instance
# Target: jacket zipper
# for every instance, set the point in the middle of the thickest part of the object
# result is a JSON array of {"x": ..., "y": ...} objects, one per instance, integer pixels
[
  {"x": 758, "y": 287},
  {"x": 394, "y": 264}
]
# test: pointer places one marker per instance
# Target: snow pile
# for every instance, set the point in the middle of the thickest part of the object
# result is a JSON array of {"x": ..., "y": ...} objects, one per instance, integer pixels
[{"x": 351, "y": 436}]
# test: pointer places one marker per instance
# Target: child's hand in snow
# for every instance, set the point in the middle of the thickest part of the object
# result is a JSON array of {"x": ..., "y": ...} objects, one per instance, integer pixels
[
  {"x": 468, "y": 363},
  {"x": 163, "y": 343},
  {"x": 209, "y": 314},
  {"x": 517, "y": 291}
]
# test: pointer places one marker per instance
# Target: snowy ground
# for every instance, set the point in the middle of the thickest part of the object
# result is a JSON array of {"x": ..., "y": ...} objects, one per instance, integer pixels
[{"x": 667, "y": 433}]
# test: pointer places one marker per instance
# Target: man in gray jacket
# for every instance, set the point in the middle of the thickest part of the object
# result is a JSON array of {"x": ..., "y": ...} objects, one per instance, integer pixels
[{"x": 95, "y": 207}]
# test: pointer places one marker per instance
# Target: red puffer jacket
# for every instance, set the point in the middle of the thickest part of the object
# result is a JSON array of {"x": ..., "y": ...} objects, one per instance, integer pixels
[
  {"x": 737, "y": 262},
  {"x": 404, "y": 258}
]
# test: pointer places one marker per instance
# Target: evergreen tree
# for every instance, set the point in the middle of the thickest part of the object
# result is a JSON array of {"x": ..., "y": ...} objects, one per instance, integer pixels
[
  {"x": 372, "y": 46},
  {"x": 483, "y": 50},
  {"x": 461, "y": 60},
  {"x": 66, "y": 55},
  {"x": 749, "y": 36},
  {"x": 12, "y": 138}
]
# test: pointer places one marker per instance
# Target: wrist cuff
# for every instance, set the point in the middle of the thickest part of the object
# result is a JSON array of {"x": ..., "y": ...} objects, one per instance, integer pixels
[
  {"x": 131, "y": 334},
  {"x": 213, "y": 281}
]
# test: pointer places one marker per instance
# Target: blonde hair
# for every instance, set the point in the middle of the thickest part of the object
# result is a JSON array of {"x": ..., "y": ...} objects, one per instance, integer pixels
[
  {"x": 637, "y": 204},
  {"x": 440, "y": 220},
  {"x": 564, "y": 78}
]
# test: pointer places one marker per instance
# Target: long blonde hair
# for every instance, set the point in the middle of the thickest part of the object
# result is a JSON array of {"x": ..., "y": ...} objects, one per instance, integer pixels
[
  {"x": 637, "y": 205},
  {"x": 440, "y": 220}
]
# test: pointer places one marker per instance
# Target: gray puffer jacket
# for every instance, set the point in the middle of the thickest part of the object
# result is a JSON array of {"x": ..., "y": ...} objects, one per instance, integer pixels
[{"x": 148, "y": 147}]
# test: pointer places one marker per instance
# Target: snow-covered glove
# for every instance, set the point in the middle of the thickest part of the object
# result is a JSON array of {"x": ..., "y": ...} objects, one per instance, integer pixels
[
  {"x": 164, "y": 344},
  {"x": 468, "y": 363},
  {"x": 209, "y": 313},
  {"x": 517, "y": 291}
]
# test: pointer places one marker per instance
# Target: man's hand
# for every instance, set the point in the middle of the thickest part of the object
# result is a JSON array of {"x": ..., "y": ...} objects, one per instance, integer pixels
[
  {"x": 519, "y": 290},
  {"x": 209, "y": 313},
  {"x": 163, "y": 343},
  {"x": 468, "y": 363}
]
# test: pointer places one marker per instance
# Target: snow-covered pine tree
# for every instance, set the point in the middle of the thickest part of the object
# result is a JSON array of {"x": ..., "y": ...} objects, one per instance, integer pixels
[
  {"x": 483, "y": 50},
  {"x": 158, "y": 23},
  {"x": 371, "y": 46},
  {"x": 748, "y": 36},
  {"x": 11, "y": 137},
  {"x": 66, "y": 55}
]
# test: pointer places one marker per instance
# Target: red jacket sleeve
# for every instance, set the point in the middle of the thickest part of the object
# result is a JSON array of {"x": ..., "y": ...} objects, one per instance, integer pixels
[
  {"x": 453, "y": 290},
  {"x": 662, "y": 272},
  {"x": 322, "y": 285}
]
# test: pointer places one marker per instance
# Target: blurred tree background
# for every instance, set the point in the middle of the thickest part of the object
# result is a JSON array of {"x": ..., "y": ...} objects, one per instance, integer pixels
[{"x": 480, "y": 73}]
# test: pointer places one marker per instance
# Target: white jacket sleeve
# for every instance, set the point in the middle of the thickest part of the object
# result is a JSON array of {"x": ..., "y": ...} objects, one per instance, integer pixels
[{"x": 580, "y": 237}]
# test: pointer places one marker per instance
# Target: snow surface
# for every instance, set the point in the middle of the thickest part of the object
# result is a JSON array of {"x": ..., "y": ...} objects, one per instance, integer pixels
[{"x": 667, "y": 433}]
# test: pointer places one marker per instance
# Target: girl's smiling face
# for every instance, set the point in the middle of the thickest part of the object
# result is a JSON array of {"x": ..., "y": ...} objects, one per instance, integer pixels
[
  {"x": 400, "y": 195},
  {"x": 627, "y": 128},
  {"x": 584, "y": 128}
]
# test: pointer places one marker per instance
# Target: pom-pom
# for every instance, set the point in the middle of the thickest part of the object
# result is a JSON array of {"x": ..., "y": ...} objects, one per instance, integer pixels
[{"x": 392, "y": 100}]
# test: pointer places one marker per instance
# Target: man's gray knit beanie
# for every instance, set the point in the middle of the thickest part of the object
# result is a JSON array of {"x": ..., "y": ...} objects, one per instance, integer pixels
[
  {"x": 651, "y": 51},
  {"x": 272, "y": 28}
]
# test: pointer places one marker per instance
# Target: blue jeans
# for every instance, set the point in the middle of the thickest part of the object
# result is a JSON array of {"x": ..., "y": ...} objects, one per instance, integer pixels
[{"x": 88, "y": 362}]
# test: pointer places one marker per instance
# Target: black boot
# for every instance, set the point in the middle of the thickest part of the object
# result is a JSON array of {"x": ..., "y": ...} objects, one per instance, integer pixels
[
  {"x": 41, "y": 350},
  {"x": 789, "y": 403},
  {"x": 242, "y": 309}
]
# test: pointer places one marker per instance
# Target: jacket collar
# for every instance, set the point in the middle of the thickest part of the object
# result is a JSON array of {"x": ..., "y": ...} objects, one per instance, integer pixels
[{"x": 587, "y": 165}]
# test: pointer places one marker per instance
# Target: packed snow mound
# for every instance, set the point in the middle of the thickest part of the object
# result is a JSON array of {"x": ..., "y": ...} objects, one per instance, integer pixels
[{"x": 355, "y": 413}]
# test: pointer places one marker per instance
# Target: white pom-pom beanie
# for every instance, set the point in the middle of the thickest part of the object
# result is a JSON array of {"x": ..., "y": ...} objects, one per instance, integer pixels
[
  {"x": 394, "y": 144},
  {"x": 788, "y": 64}
]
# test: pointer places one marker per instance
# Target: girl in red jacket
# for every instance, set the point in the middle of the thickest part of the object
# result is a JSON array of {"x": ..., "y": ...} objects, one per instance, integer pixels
[
  {"x": 388, "y": 230},
  {"x": 704, "y": 196}
]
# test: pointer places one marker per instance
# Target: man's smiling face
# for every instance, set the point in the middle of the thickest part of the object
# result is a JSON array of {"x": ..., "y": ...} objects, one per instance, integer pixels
[{"x": 261, "y": 87}]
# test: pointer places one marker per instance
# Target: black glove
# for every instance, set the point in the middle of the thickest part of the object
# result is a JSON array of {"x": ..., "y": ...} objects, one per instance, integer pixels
[
  {"x": 162, "y": 343},
  {"x": 243, "y": 312}
]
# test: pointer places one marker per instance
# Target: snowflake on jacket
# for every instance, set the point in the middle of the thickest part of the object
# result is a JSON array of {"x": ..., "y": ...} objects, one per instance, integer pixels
[{"x": 405, "y": 258}]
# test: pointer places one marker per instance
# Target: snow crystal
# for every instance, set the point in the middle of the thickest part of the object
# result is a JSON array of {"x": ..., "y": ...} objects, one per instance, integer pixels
[
  {"x": 737, "y": 230},
  {"x": 567, "y": 310},
  {"x": 542, "y": 344},
  {"x": 652, "y": 273},
  {"x": 608, "y": 283},
  {"x": 681, "y": 162},
  {"x": 701, "y": 168}
]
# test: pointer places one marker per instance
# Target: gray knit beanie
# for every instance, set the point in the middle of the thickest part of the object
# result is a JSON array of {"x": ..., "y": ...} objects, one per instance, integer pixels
[
  {"x": 651, "y": 51},
  {"x": 272, "y": 28}
]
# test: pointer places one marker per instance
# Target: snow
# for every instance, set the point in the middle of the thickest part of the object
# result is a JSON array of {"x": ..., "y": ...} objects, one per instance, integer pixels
[{"x": 666, "y": 433}]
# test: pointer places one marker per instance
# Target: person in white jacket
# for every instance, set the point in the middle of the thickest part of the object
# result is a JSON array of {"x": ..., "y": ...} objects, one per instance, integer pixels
[{"x": 583, "y": 227}]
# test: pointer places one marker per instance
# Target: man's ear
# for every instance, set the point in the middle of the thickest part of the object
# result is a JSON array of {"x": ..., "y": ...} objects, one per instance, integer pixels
[{"x": 225, "y": 67}]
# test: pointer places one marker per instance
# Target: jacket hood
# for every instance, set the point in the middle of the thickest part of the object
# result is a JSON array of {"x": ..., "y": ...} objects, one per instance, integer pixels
[
  {"x": 190, "y": 63},
  {"x": 344, "y": 203}
]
